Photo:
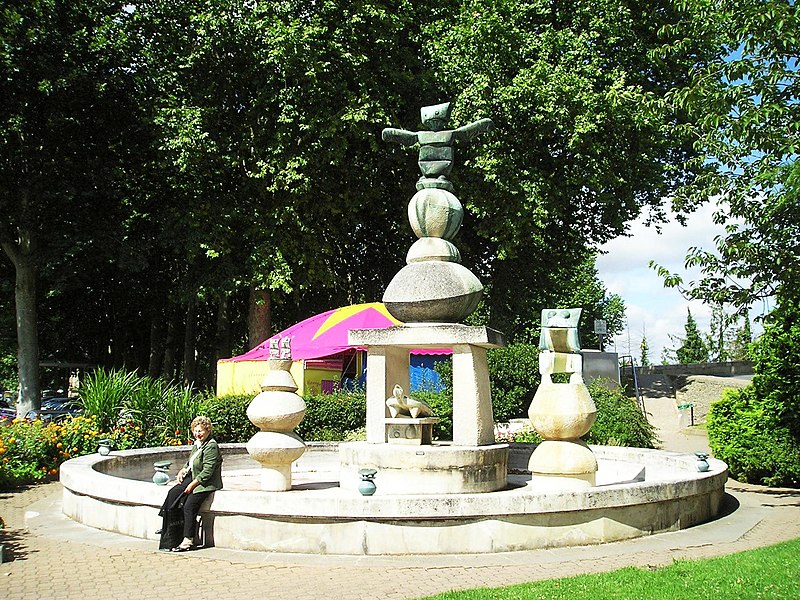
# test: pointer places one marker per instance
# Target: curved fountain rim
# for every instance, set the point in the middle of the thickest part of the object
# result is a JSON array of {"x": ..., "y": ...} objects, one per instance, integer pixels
[{"x": 81, "y": 477}]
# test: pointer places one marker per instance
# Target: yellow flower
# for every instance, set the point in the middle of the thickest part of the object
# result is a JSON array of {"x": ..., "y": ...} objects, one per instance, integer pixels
[{"x": 12, "y": 440}]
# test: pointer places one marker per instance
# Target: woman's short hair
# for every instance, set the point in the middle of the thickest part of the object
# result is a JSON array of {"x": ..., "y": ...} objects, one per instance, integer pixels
[{"x": 204, "y": 422}]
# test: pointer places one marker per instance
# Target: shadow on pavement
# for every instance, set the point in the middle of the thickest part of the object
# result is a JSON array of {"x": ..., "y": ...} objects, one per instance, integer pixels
[{"x": 14, "y": 545}]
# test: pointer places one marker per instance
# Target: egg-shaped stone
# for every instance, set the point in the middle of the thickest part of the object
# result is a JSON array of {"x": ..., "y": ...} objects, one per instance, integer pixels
[
  {"x": 435, "y": 213},
  {"x": 276, "y": 410},
  {"x": 433, "y": 248}
]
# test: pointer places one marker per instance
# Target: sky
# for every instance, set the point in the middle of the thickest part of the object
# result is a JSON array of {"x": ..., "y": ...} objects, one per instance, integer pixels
[{"x": 651, "y": 309}]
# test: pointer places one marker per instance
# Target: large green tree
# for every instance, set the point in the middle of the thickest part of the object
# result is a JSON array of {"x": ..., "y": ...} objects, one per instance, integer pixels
[
  {"x": 65, "y": 123},
  {"x": 748, "y": 121},
  {"x": 205, "y": 160},
  {"x": 746, "y": 104},
  {"x": 584, "y": 139}
]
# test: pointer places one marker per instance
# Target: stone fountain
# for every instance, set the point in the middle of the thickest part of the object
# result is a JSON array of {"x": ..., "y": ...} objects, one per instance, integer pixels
[{"x": 470, "y": 495}]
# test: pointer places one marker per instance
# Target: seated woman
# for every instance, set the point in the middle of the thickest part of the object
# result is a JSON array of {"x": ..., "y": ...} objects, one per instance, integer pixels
[{"x": 201, "y": 475}]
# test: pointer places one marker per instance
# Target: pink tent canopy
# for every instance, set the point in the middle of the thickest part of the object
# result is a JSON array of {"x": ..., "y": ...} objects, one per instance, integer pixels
[{"x": 326, "y": 334}]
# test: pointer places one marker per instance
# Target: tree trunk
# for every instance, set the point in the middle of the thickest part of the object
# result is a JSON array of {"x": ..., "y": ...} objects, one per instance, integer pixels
[
  {"x": 223, "y": 328},
  {"x": 22, "y": 255},
  {"x": 156, "y": 346},
  {"x": 259, "y": 317},
  {"x": 190, "y": 343},
  {"x": 168, "y": 369}
]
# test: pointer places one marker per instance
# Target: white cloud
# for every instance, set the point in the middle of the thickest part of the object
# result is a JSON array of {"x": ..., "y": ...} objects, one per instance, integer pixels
[{"x": 652, "y": 309}]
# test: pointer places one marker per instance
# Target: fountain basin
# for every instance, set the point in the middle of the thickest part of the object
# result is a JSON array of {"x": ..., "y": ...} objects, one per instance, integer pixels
[{"x": 638, "y": 492}]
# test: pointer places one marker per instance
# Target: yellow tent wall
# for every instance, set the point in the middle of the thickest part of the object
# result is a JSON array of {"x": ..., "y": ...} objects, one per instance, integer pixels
[{"x": 245, "y": 376}]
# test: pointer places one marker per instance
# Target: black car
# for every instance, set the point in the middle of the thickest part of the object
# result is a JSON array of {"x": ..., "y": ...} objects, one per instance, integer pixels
[{"x": 68, "y": 405}]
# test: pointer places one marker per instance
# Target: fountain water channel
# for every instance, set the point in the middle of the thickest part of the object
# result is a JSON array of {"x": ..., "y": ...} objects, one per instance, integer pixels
[{"x": 468, "y": 495}]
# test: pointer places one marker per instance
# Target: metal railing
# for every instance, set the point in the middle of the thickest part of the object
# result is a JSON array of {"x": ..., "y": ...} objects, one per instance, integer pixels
[{"x": 627, "y": 362}]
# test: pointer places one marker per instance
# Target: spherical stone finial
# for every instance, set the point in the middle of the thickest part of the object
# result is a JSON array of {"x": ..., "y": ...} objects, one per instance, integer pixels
[
  {"x": 432, "y": 248},
  {"x": 435, "y": 213}
]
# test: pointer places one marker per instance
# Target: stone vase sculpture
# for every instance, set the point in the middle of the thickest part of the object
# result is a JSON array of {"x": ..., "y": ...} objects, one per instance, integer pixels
[
  {"x": 277, "y": 411},
  {"x": 562, "y": 412}
]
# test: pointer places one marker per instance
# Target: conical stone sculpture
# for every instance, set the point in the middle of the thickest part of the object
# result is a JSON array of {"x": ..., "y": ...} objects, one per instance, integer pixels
[
  {"x": 434, "y": 287},
  {"x": 277, "y": 411},
  {"x": 562, "y": 412}
]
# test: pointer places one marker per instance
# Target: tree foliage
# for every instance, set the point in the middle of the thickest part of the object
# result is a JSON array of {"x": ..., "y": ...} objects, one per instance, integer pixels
[
  {"x": 692, "y": 349},
  {"x": 747, "y": 119},
  {"x": 164, "y": 162}
]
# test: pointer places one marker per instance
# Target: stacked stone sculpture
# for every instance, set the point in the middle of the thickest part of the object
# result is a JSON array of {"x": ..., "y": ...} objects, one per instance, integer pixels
[
  {"x": 562, "y": 412},
  {"x": 434, "y": 287},
  {"x": 276, "y": 411}
]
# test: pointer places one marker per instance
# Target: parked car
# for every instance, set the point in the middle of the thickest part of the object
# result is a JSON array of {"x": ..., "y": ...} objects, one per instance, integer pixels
[
  {"x": 68, "y": 405},
  {"x": 7, "y": 415}
]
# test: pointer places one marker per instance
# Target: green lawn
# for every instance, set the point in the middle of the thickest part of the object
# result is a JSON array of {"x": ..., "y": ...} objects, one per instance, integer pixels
[{"x": 772, "y": 572}]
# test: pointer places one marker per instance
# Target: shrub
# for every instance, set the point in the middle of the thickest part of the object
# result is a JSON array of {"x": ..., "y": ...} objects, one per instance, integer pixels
[
  {"x": 143, "y": 408},
  {"x": 180, "y": 406},
  {"x": 442, "y": 405},
  {"x": 79, "y": 434},
  {"x": 514, "y": 377},
  {"x": 332, "y": 416},
  {"x": 228, "y": 413},
  {"x": 756, "y": 430},
  {"x": 757, "y": 446},
  {"x": 104, "y": 394},
  {"x": 29, "y": 451},
  {"x": 620, "y": 421}
]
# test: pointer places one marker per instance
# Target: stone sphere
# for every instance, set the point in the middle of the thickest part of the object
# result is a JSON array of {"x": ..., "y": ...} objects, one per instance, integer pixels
[
  {"x": 433, "y": 292},
  {"x": 562, "y": 411},
  {"x": 275, "y": 448},
  {"x": 433, "y": 248},
  {"x": 435, "y": 213},
  {"x": 555, "y": 457},
  {"x": 276, "y": 410}
]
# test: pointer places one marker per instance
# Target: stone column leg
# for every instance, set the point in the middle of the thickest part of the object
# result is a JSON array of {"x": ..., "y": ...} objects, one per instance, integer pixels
[
  {"x": 386, "y": 367},
  {"x": 473, "y": 421}
]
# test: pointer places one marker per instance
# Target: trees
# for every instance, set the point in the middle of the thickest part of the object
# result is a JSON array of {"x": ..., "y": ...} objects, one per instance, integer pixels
[
  {"x": 63, "y": 124},
  {"x": 584, "y": 139},
  {"x": 644, "y": 349},
  {"x": 182, "y": 157},
  {"x": 693, "y": 349},
  {"x": 747, "y": 113}
]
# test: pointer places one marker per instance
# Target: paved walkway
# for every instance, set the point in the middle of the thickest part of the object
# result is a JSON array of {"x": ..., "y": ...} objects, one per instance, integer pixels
[{"x": 49, "y": 556}]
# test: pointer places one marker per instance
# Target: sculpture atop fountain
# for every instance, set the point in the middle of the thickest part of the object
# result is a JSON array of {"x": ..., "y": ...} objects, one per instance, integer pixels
[
  {"x": 411, "y": 421},
  {"x": 562, "y": 412},
  {"x": 431, "y": 294},
  {"x": 434, "y": 287},
  {"x": 401, "y": 405},
  {"x": 436, "y": 144},
  {"x": 276, "y": 411}
]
